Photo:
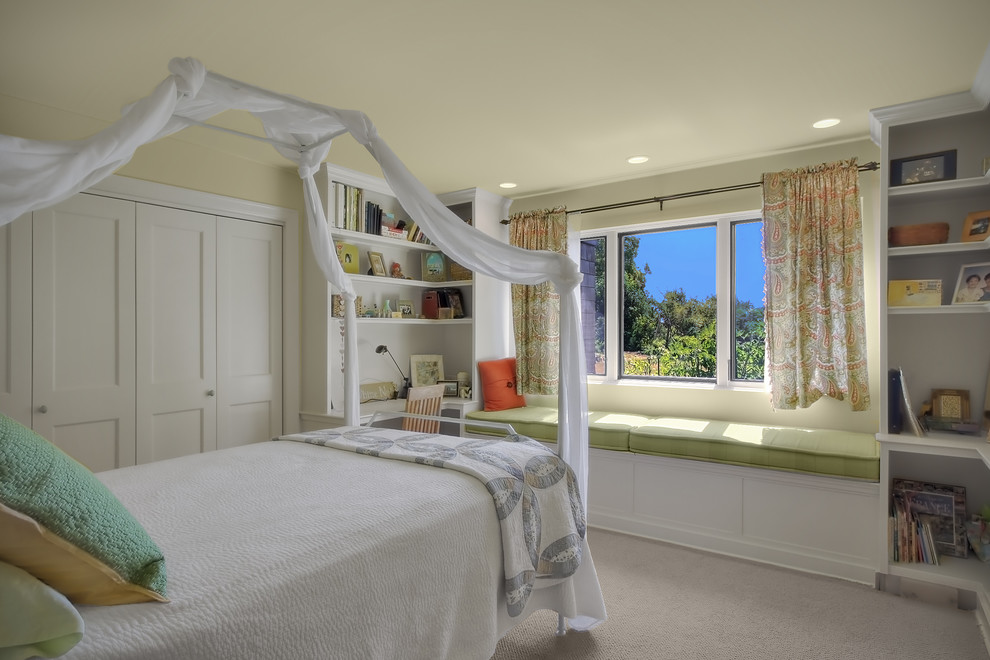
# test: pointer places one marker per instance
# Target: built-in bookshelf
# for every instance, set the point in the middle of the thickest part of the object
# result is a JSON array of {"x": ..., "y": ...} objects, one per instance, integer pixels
[
  {"x": 434, "y": 305},
  {"x": 940, "y": 345}
]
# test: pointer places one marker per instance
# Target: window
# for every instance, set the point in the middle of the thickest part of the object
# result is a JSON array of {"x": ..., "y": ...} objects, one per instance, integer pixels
[
  {"x": 593, "y": 304},
  {"x": 686, "y": 300}
]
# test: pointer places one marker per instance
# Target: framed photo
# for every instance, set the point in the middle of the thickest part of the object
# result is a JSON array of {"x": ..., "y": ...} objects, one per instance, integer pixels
[
  {"x": 449, "y": 387},
  {"x": 940, "y": 166},
  {"x": 434, "y": 267},
  {"x": 426, "y": 369},
  {"x": 406, "y": 309},
  {"x": 377, "y": 264},
  {"x": 972, "y": 286},
  {"x": 951, "y": 404},
  {"x": 455, "y": 303},
  {"x": 977, "y": 227}
]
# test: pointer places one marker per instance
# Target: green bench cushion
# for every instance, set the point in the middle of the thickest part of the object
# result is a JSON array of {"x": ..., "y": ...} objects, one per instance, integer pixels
[
  {"x": 606, "y": 430},
  {"x": 815, "y": 451},
  {"x": 818, "y": 451}
]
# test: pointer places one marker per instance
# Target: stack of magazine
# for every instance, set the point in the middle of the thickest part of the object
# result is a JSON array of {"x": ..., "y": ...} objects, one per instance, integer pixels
[{"x": 927, "y": 522}]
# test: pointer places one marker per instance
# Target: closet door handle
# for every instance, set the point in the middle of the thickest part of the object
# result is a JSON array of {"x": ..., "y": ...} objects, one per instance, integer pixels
[
  {"x": 42, "y": 409},
  {"x": 211, "y": 392}
]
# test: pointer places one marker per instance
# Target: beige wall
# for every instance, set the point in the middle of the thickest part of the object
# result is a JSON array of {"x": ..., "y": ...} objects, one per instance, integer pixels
[
  {"x": 735, "y": 405},
  {"x": 176, "y": 160},
  {"x": 180, "y": 161}
]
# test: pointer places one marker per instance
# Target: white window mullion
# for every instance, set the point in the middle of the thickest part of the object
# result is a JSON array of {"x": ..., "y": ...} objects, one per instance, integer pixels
[
  {"x": 613, "y": 305},
  {"x": 723, "y": 291}
]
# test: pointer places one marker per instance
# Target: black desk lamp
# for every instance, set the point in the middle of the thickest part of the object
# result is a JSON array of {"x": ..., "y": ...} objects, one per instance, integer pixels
[{"x": 382, "y": 348}]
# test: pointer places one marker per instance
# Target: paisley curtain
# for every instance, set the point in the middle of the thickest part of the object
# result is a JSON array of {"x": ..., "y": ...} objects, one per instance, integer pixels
[
  {"x": 536, "y": 307},
  {"x": 815, "y": 316}
]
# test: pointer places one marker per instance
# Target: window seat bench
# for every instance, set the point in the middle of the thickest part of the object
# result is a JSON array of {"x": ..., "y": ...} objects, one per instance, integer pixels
[
  {"x": 814, "y": 451},
  {"x": 805, "y": 499}
]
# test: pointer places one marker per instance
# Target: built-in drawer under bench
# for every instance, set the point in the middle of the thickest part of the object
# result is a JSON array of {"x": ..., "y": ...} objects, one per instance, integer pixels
[{"x": 813, "y": 451}]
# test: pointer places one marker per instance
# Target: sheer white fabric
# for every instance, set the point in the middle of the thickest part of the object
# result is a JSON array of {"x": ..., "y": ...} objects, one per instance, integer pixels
[{"x": 36, "y": 174}]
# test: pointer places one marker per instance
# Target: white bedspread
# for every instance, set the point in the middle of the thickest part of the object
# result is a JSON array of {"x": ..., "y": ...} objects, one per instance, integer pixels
[
  {"x": 287, "y": 550},
  {"x": 535, "y": 495}
]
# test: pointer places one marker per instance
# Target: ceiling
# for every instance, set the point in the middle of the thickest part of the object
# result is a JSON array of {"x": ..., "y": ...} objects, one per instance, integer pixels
[{"x": 549, "y": 94}]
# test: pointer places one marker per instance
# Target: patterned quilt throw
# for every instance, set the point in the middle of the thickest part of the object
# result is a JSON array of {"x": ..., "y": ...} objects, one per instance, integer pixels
[{"x": 535, "y": 494}]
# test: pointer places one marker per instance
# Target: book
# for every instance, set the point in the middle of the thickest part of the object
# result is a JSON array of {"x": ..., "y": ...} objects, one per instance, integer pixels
[
  {"x": 914, "y": 293},
  {"x": 912, "y": 419},
  {"x": 895, "y": 419},
  {"x": 348, "y": 256}
]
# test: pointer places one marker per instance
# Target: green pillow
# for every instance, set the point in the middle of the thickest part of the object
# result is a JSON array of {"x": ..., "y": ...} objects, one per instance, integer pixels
[
  {"x": 35, "y": 620},
  {"x": 60, "y": 523}
]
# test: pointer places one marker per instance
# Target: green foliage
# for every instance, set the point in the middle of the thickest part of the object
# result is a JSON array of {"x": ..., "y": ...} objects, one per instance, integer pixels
[{"x": 676, "y": 336}]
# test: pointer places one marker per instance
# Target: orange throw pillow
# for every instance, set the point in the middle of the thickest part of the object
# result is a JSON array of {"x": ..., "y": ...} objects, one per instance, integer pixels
[{"x": 498, "y": 384}]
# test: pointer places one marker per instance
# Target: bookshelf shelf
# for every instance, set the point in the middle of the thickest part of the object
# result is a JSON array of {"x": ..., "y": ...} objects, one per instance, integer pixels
[
  {"x": 461, "y": 341},
  {"x": 935, "y": 347},
  {"x": 952, "y": 571}
]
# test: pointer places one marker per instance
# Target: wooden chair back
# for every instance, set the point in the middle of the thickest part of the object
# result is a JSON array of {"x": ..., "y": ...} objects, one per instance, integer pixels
[{"x": 423, "y": 401}]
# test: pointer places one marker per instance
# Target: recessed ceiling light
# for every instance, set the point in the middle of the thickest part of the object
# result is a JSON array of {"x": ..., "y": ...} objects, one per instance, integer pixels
[
  {"x": 507, "y": 184},
  {"x": 635, "y": 160},
  {"x": 825, "y": 123}
]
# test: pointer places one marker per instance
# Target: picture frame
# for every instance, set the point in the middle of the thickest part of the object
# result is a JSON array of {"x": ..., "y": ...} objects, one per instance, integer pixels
[
  {"x": 456, "y": 303},
  {"x": 425, "y": 369},
  {"x": 925, "y": 168},
  {"x": 951, "y": 404},
  {"x": 377, "y": 264},
  {"x": 972, "y": 285},
  {"x": 434, "y": 267},
  {"x": 406, "y": 309},
  {"x": 449, "y": 387},
  {"x": 976, "y": 227}
]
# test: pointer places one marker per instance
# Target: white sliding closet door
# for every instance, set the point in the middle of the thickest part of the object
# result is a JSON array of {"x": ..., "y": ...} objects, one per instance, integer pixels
[
  {"x": 83, "y": 337},
  {"x": 249, "y": 339},
  {"x": 15, "y": 320},
  {"x": 176, "y": 333}
]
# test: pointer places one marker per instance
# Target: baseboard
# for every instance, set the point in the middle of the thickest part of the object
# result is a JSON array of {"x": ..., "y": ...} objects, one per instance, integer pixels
[{"x": 847, "y": 568}]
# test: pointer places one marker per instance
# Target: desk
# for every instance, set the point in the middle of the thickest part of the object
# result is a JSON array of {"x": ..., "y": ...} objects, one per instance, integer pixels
[{"x": 452, "y": 406}]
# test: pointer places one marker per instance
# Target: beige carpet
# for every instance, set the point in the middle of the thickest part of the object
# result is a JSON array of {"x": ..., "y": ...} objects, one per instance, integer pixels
[{"x": 665, "y": 601}]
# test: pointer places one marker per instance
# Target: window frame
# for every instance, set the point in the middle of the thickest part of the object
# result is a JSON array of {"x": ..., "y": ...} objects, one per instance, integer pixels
[{"x": 724, "y": 283}]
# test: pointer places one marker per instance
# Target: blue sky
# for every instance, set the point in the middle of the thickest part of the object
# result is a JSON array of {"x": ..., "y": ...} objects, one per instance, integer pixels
[{"x": 686, "y": 259}]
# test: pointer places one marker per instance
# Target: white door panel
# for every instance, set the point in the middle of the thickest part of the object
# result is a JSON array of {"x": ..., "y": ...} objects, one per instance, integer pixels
[
  {"x": 83, "y": 338},
  {"x": 249, "y": 308},
  {"x": 15, "y": 320},
  {"x": 176, "y": 333}
]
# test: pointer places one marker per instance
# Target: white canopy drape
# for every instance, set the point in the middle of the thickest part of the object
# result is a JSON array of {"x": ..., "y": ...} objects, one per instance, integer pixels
[{"x": 35, "y": 174}]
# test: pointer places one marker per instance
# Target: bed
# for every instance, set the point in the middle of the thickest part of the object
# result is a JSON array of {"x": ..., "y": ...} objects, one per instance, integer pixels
[
  {"x": 289, "y": 549},
  {"x": 295, "y": 549}
]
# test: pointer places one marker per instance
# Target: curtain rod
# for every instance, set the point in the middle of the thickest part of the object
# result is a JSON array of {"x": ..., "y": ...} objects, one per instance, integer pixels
[{"x": 695, "y": 193}]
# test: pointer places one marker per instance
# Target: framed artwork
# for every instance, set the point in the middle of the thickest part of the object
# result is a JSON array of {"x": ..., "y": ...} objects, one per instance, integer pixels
[
  {"x": 406, "y": 309},
  {"x": 976, "y": 227},
  {"x": 377, "y": 264},
  {"x": 434, "y": 267},
  {"x": 972, "y": 285},
  {"x": 449, "y": 387},
  {"x": 426, "y": 369},
  {"x": 940, "y": 166},
  {"x": 951, "y": 404}
]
